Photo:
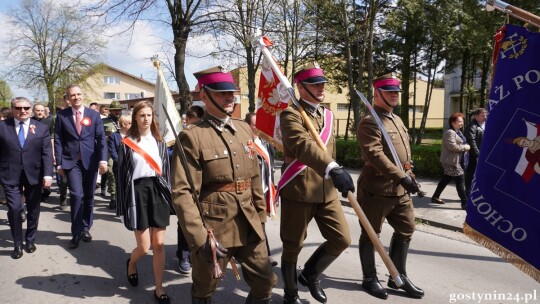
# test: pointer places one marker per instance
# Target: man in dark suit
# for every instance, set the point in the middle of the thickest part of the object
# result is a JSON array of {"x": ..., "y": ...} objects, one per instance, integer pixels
[
  {"x": 474, "y": 131},
  {"x": 26, "y": 166},
  {"x": 79, "y": 149}
]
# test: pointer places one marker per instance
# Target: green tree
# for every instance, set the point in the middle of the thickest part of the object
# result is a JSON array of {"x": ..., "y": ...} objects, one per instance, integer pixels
[
  {"x": 52, "y": 42},
  {"x": 181, "y": 16},
  {"x": 5, "y": 92}
]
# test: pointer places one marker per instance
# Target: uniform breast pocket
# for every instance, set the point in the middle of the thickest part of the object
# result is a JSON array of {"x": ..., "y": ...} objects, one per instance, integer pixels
[{"x": 215, "y": 160}]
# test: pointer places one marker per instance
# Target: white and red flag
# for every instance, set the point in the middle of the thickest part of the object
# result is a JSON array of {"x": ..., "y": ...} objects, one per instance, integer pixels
[{"x": 273, "y": 98}]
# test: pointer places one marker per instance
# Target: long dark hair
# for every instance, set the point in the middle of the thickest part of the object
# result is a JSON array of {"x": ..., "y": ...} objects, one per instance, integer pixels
[{"x": 133, "y": 131}]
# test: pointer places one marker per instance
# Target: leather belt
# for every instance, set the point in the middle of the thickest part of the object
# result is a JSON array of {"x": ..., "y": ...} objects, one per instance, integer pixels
[{"x": 239, "y": 186}]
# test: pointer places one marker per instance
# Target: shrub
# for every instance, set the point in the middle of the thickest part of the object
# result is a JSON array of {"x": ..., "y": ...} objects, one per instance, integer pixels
[{"x": 425, "y": 157}]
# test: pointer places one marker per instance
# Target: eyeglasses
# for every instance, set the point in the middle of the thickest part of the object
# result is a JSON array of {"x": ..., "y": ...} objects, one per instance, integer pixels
[{"x": 22, "y": 108}]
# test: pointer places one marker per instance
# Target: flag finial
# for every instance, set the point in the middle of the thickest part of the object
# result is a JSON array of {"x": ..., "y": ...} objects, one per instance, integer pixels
[{"x": 155, "y": 60}]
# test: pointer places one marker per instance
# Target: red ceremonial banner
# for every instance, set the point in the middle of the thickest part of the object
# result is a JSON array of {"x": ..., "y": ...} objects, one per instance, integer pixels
[{"x": 273, "y": 98}]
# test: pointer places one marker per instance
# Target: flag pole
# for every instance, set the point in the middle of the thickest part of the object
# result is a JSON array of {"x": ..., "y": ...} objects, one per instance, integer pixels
[
  {"x": 394, "y": 273},
  {"x": 260, "y": 42},
  {"x": 513, "y": 11}
]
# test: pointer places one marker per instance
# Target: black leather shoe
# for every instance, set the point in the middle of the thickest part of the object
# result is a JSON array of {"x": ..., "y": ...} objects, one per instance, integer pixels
[
  {"x": 86, "y": 236},
  {"x": 133, "y": 279},
  {"x": 74, "y": 243},
  {"x": 314, "y": 288},
  {"x": 17, "y": 252},
  {"x": 30, "y": 247},
  {"x": 408, "y": 286},
  {"x": 374, "y": 288},
  {"x": 163, "y": 298}
]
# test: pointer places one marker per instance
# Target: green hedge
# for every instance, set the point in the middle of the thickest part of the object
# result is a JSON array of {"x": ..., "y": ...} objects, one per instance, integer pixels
[{"x": 425, "y": 157}]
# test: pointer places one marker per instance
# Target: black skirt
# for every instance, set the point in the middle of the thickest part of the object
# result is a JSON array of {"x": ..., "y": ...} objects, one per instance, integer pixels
[{"x": 152, "y": 210}]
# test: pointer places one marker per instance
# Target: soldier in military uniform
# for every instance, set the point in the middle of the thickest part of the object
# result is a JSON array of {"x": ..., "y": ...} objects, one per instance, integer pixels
[
  {"x": 110, "y": 123},
  {"x": 307, "y": 187},
  {"x": 384, "y": 188},
  {"x": 223, "y": 164}
]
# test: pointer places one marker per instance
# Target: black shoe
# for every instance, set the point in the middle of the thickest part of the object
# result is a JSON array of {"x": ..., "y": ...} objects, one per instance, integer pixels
[
  {"x": 17, "y": 252},
  {"x": 23, "y": 216},
  {"x": 314, "y": 288},
  {"x": 112, "y": 204},
  {"x": 163, "y": 298},
  {"x": 374, "y": 288},
  {"x": 436, "y": 200},
  {"x": 103, "y": 192},
  {"x": 74, "y": 243},
  {"x": 408, "y": 286},
  {"x": 30, "y": 247},
  {"x": 133, "y": 279},
  {"x": 86, "y": 236}
]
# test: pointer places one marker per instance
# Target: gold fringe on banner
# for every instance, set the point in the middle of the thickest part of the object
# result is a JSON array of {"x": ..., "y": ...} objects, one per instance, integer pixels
[{"x": 504, "y": 253}]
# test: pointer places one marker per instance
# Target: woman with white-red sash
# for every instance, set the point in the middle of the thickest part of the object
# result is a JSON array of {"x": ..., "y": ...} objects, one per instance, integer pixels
[{"x": 144, "y": 197}]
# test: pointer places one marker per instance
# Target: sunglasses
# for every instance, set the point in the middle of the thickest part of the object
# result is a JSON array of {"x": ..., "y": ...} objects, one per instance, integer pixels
[{"x": 21, "y": 108}]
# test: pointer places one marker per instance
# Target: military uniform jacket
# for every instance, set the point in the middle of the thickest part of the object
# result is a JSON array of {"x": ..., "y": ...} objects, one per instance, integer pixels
[
  {"x": 309, "y": 186},
  {"x": 219, "y": 155},
  {"x": 380, "y": 175}
]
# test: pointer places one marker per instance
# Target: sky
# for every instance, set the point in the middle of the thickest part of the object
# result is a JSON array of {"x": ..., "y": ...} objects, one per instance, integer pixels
[{"x": 133, "y": 57}]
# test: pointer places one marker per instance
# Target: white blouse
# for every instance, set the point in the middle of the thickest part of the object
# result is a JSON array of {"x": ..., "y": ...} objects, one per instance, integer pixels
[{"x": 140, "y": 167}]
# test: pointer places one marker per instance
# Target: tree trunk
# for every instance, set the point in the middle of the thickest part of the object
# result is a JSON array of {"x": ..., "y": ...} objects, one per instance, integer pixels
[
  {"x": 180, "y": 43},
  {"x": 464, "y": 69}
]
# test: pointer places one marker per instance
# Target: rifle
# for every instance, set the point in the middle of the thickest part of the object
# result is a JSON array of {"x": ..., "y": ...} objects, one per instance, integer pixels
[{"x": 217, "y": 273}]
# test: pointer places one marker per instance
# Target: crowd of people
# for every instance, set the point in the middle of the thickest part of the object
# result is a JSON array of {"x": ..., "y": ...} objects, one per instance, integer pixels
[{"x": 219, "y": 182}]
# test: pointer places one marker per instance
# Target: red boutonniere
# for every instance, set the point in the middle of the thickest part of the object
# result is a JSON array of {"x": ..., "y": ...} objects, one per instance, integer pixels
[
  {"x": 32, "y": 129},
  {"x": 86, "y": 121}
]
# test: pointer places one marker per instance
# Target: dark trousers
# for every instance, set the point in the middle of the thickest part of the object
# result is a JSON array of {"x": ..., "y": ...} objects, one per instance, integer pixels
[
  {"x": 469, "y": 174},
  {"x": 182, "y": 252},
  {"x": 460, "y": 186},
  {"x": 82, "y": 185},
  {"x": 2, "y": 194},
  {"x": 32, "y": 195}
]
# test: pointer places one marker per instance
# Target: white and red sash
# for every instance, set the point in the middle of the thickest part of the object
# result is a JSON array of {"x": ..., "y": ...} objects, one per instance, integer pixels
[{"x": 295, "y": 167}]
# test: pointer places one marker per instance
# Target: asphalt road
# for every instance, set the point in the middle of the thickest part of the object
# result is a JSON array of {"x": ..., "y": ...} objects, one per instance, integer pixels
[{"x": 446, "y": 264}]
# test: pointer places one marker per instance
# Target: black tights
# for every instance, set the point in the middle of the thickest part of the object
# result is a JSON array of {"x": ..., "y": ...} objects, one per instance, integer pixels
[{"x": 460, "y": 186}]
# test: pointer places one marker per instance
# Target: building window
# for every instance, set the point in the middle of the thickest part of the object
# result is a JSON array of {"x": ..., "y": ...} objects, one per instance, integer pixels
[
  {"x": 133, "y": 96},
  {"x": 111, "y": 95},
  {"x": 111, "y": 80},
  {"x": 343, "y": 107}
]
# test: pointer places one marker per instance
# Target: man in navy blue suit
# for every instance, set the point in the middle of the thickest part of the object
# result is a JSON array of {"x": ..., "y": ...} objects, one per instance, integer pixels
[
  {"x": 80, "y": 150},
  {"x": 26, "y": 167}
]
